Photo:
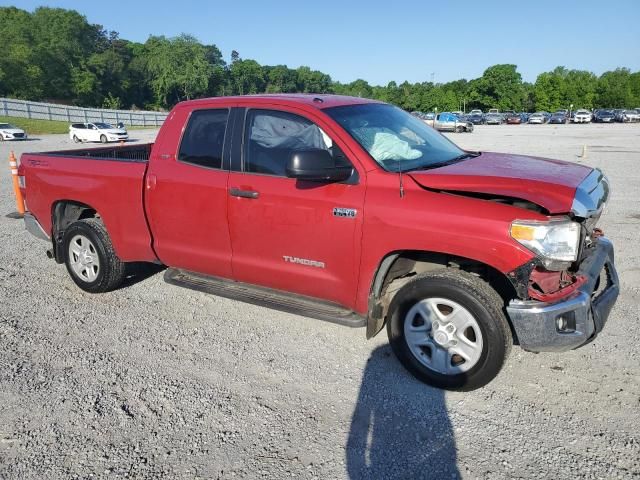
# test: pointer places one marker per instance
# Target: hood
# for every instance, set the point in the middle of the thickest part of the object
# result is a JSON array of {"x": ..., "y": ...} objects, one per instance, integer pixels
[
  {"x": 114, "y": 131},
  {"x": 12, "y": 130},
  {"x": 549, "y": 183}
]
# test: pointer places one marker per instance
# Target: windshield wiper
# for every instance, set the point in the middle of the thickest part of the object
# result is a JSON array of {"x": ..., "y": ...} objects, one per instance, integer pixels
[{"x": 463, "y": 156}]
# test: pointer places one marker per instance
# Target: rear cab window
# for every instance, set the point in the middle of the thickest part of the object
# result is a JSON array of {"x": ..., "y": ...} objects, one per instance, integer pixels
[{"x": 202, "y": 143}]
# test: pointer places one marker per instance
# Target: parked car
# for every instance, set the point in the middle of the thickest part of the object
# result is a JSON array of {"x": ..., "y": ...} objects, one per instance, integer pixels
[
  {"x": 476, "y": 118},
  {"x": 558, "y": 117},
  {"x": 11, "y": 132},
  {"x": 629, "y": 116},
  {"x": 563, "y": 111},
  {"x": 310, "y": 214},
  {"x": 536, "y": 118},
  {"x": 96, "y": 132},
  {"x": 475, "y": 111},
  {"x": 493, "y": 119},
  {"x": 513, "y": 119},
  {"x": 581, "y": 116},
  {"x": 493, "y": 110},
  {"x": 449, "y": 122},
  {"x": 604, "y": 116}
]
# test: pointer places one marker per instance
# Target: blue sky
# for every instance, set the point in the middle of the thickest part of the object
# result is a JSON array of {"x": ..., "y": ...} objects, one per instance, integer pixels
[{"x": 392, "y": 40}]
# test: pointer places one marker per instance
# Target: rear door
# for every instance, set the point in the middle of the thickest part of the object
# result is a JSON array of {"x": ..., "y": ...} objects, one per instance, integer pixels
[
  {"x": 186, "y": 192},
  {"x": 296, "y": 236}
]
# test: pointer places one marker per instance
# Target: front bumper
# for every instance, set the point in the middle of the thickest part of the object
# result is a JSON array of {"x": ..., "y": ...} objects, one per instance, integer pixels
[{"x": 536, "y": 323}]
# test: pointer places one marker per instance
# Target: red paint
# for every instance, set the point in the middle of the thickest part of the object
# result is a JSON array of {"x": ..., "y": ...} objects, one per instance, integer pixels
[
  {"x": 195, "y": 223},
  {"x": 549, "y": 183}
]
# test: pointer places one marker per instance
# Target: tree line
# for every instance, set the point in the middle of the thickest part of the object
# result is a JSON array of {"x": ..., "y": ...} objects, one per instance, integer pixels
[{"x": 54, "y": 54}]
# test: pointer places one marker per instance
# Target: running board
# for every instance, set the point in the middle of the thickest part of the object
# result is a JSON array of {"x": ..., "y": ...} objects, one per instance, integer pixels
[{"x": 265, "y": 297}]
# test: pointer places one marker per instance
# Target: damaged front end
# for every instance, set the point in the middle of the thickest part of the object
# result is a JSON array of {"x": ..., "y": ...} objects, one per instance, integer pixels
[{"x": 564, "y": 298}]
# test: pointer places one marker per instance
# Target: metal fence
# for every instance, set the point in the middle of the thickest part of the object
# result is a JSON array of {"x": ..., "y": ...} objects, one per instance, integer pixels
[{"x": 50, "y": 111}]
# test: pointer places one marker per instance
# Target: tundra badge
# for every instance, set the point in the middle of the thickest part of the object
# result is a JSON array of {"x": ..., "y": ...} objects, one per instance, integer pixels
[{"x": 303, "y": 261}]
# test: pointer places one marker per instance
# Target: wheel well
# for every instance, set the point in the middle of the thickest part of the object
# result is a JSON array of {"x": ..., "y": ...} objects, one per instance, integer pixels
[
  {"x": 398, "y": 267},
  {"x": 63, "y": 214}
]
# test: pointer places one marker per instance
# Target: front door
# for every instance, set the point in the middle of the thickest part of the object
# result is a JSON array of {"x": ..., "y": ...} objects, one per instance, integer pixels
[{"x": 292, "y": 235}]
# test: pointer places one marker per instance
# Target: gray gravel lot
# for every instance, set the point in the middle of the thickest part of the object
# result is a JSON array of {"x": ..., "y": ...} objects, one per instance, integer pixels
[{"x": 154, "y": 381}]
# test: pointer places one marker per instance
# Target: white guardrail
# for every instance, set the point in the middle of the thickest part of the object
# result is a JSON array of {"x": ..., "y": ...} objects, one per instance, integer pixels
[{"x": 65, "y": 113}]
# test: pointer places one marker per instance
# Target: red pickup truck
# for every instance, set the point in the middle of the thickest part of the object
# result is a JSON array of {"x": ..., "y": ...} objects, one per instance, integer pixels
[{"x": 346, "y": 210}]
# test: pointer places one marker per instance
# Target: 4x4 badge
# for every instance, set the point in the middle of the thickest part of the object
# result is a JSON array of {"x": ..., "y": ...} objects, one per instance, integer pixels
[{"x": 345, "y": 212}]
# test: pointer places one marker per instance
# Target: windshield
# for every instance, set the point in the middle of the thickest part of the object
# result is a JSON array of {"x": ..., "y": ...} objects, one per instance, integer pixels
[
  {"x": 6, "y": 125},
  {"x": 395, "y": 139},
  {"x": 103, "y": 125}
]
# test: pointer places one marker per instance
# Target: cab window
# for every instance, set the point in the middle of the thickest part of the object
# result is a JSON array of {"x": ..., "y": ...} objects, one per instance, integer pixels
[
  {"x": 203, "y": 139},
  {"x": 272, "y": 136}
]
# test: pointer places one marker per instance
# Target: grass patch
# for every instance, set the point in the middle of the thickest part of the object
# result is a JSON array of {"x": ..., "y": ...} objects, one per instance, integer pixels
[{"x": 34, "y": 126}]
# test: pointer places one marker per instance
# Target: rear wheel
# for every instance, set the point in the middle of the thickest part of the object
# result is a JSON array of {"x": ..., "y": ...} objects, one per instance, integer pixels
[
  {"x": 448, "y": 329},
  {"x": 103, "y": 139},
  {"x": 90, "y": 258}
]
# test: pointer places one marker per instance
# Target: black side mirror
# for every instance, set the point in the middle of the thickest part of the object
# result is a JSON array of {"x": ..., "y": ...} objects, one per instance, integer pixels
[{"x": 316, "y": 166}]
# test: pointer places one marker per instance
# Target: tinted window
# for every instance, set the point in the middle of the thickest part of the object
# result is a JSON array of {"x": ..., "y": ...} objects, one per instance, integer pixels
[
  {"x": 272, "y": 136},
  {"x": 203, "y": 138}
]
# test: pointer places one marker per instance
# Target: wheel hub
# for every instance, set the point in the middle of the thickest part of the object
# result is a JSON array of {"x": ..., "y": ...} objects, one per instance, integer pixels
[
  {"x": 86, "y": 258},
  {"x": 443, "y": 334}
]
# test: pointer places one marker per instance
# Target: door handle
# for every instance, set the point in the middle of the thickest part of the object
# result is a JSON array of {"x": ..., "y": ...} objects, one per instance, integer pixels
[
  {"x": 237, "y": 192},
  {"x": 151, "y": 181}
]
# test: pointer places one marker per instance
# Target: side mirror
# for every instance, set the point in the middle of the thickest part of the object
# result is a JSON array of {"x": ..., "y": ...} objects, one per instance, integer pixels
[{"x": 316, "y": 166}]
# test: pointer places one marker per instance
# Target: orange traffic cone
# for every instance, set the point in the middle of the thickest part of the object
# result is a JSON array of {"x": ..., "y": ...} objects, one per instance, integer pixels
[{"x": 13, "y": 163}]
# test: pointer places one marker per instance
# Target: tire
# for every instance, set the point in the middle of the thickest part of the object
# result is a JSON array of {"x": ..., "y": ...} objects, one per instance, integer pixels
[
  {"x": 103, "y": 139},
  {"x": 90, "y": 258},
  {"x": 485, "y": 337},
  {"x": 76, "y": 139},
  {"x": 459, "y": 129}
]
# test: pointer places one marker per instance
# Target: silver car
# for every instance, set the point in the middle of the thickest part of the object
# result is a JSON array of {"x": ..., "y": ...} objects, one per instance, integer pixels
[
  {"x": 448, "y": 122},
  {"x": 537, "y": 118}
]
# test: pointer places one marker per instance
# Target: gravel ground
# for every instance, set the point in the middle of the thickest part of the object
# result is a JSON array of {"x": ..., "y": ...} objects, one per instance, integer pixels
[{"x": 154, "y": 381}]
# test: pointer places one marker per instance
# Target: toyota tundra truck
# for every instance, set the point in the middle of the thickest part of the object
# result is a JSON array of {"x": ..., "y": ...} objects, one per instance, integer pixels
[{"x": 346, "y": 210}]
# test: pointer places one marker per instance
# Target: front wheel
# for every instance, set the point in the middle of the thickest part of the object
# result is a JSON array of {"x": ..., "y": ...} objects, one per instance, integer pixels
[
  {"x": 90, "y": 258},
  {"x": 103, "y": 139},
  {"x": 459, "y": 129},
  {"x": 448, "y": 329},
  {"x": 76, "y": 139}
]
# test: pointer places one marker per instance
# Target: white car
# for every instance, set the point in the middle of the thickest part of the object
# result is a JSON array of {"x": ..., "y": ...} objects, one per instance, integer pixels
[
  {"x": 582, "y": 116},
  {"x": 97, "y": 132},
  {"x": 629, "y": 116},
  {"x": 537, "y": 118},
  {"x": 11, "y": 132}
]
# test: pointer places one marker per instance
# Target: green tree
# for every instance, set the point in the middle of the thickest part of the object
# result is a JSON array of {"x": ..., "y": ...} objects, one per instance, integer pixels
[
  {"x": 246, "y": 77},
  {"x": 178, "y": 67},
  {"x": 500, "y": 87}
]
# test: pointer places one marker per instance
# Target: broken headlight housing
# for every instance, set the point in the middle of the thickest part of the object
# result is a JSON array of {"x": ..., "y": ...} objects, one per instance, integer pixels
[{"x": 556, "y": 241}]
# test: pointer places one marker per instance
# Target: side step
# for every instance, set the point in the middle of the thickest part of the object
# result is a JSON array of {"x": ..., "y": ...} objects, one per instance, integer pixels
[{"x": 266, "y": 297}]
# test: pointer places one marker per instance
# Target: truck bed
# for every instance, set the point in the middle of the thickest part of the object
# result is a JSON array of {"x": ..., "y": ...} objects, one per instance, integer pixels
[
  {"x": 130, "y": 153},
  {"x": 109, "y": 180}
]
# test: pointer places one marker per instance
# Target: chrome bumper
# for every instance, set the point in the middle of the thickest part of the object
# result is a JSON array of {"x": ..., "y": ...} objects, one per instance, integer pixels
[
  {"x": 34, "y": 228},
  {"x": 536, "y": 324}
]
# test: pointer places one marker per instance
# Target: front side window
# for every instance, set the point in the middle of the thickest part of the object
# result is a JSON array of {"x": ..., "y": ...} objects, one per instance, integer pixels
[
  {"x": 203, "y": 139},
  {"x": 272, "y": 136},
  {"x": 395, "y": 139}
]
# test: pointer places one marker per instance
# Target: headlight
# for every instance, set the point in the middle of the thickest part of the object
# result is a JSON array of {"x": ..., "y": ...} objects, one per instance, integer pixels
[{"x": 555, "y": 241}]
